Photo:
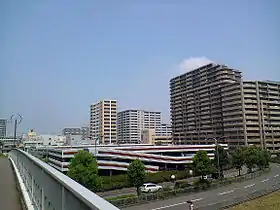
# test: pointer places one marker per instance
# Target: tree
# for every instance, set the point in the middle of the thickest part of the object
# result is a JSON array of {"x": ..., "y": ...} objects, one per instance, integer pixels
[
  {"x": 238, "y": 159},
  {"x": 251, "y": 157},
  {"x": 263, "y": 159},
  {"x": 223, "y": 156},
  {"x": 83, "y": 169},
  {"x": 136, "y": 174},
  {"x": 202, "y": 164}
]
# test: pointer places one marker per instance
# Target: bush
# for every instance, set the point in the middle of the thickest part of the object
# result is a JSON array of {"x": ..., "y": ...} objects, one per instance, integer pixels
[
  {"x": 181, "y": 184},
  {"x": 165, "y": 176},
  {"x": 201, "y": 184},
  {"x": 115, "y": 182},
  {"x": 120, "y": 181}
]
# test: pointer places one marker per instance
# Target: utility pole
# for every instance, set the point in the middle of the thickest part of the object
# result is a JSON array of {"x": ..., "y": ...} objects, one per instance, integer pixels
[{"x": 218, "y": 157}]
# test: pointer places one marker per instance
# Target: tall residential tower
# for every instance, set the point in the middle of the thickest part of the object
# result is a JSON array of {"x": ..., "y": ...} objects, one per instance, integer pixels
[
  {"x": 199, "y": 103},
  {"x": 103, "y": 122}
]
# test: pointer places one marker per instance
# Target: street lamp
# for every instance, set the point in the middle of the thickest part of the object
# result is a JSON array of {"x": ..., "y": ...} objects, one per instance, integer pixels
[{"x": 17, "y": 118}]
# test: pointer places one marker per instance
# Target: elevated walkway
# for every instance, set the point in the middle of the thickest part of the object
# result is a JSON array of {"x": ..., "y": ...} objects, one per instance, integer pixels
[{"x": 9, "y": 194}]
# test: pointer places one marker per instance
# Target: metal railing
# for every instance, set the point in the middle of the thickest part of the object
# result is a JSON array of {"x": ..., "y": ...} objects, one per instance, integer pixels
[
  {"x": 49, "y": 189},
  {"x": 226, "y": 204}
]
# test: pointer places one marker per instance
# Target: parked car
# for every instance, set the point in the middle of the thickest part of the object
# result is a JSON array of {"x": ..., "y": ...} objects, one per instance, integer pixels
[{"x": 150, "y": 187}]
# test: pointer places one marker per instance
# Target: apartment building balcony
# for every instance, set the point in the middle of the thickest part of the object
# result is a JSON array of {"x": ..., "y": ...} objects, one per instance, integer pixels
[
  {"x": 229, "y": 113},
  {"x": 232, "y": 108},
  {"x": 251, "y": 106},
  {"x": 251, "y": 117},
  {"x": 232, "y": 119},
  {"x": 256, "y": 128},
  {"x": 231, "y": 103},
  {"x": 252, "y": 122}
]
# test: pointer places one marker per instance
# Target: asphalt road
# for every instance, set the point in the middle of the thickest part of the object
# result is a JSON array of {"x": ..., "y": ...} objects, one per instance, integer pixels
[
  {"x": 9, "y": 196},
  {"x": 211, "y": 197}
]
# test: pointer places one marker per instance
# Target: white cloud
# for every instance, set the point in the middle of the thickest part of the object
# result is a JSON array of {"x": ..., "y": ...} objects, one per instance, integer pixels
[{"x": 193, "y": 63}]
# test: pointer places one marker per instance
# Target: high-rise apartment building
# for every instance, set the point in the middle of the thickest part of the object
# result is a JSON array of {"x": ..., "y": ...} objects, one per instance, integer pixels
[
  {"x": 197, "y": 100},
  {"x": 103, "y": 122},
  {"x": 262, "y": 113},
  {"x": 132, "y": 122},
  {"x": 213, "y": 102},
  {"x": 3, "y": 128}
]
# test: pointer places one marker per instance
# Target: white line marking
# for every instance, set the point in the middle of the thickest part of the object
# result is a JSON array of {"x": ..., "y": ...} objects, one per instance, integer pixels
[
  {"x": 276, "y": 175},
  {"x": 164, "y": 207},
  {"x": 227, "y": 192},
  {"x": 265, "y": 180},
  {"x": 251, "y": 185},
  {"x": 198, "y": 199}
]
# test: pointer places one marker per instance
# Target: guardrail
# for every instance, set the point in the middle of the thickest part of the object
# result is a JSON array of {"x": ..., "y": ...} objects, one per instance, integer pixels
[
  {"x": 49, "y": 189},
  {"x": 241, "y": 199}
]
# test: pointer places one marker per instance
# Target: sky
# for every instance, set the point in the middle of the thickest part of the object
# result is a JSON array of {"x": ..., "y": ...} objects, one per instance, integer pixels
[{"x": 58, "y": 57}]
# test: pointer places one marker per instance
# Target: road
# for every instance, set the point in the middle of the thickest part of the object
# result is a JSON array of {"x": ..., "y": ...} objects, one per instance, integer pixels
[
  {"x": 211, "y": 197},
  {"x": 132, "y": 190},
  {"x": 9, "y": 196}
]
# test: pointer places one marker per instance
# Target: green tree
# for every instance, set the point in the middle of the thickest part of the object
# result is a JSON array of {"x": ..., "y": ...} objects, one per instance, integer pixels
[
  {"x": 251, "y": 157},
  {"x": 202, "y": 164},
  {"x": 136, "y": 174},
  {"x": 83, "y": 169},
  {"x": 238, "y": 159},
  {"x": 223, "y": 156},
  {"x": 263, "y": 159}
]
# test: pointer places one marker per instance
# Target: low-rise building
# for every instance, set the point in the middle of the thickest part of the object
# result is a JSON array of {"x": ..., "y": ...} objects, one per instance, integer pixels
[{"x": 112, "y": 159}]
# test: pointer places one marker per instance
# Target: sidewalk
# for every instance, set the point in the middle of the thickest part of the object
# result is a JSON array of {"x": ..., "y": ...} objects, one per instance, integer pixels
[
  {"x": 9, "y": 195},
  {"x": 132, "y": 190}
]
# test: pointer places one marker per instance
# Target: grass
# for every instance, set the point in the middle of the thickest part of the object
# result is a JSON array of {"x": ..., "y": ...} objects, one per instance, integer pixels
[
  {"x": 267, "y": 202},
  {"x": 2, "y": 155}
]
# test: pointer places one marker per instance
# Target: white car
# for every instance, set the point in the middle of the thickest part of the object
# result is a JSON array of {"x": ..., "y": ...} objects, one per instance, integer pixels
[{"x": 150, "y": 187}]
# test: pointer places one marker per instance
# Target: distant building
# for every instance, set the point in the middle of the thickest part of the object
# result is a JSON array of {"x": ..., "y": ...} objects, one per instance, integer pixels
[
  {"x": 76, "y": 140},
  {"x": 85, "y": 132},
  {"x": 132, "y": 122},
  {"x": 81, "y": 131},
  {"x": 103, "y": 122},
  {"x": 3, "y": 128},
  {"x": 149, "y": 136},
  {"x": 164, "y": 130},
  {"x": 53, "y": 140},
  {"x": 71, "y": 131}
]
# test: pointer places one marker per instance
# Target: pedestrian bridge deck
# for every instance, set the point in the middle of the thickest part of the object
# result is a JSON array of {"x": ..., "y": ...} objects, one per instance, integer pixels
[{"x": 9, "y": 194}]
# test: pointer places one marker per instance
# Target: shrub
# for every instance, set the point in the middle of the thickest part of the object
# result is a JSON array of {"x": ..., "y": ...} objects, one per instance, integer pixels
[
  {"x": 120, "y": 181},
  {"x": 165, "y": 176},
  {"x": 181, "y": 184}
]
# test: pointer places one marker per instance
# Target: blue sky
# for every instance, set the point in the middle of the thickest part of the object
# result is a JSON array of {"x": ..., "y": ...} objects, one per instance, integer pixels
[{"x": 58, "y": 57}]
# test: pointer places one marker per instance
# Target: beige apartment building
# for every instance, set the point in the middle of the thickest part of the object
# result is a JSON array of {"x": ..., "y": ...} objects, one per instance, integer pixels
[
  {"x": 262, "y": 114},
  {"x": 213, "y": 102},
  {"x": 150, "y": 136},
  {"x": 103, "y": 122}
]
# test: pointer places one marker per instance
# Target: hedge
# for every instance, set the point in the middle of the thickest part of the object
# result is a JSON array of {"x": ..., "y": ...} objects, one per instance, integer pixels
[{"x": 120, "y": 181}]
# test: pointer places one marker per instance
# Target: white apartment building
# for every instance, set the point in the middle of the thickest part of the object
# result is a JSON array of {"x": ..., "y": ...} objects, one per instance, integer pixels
[
  {"x": 164, "y": 130},
  {"x": 103, "y": 122},
  {"x": 132, "y": 122}
]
